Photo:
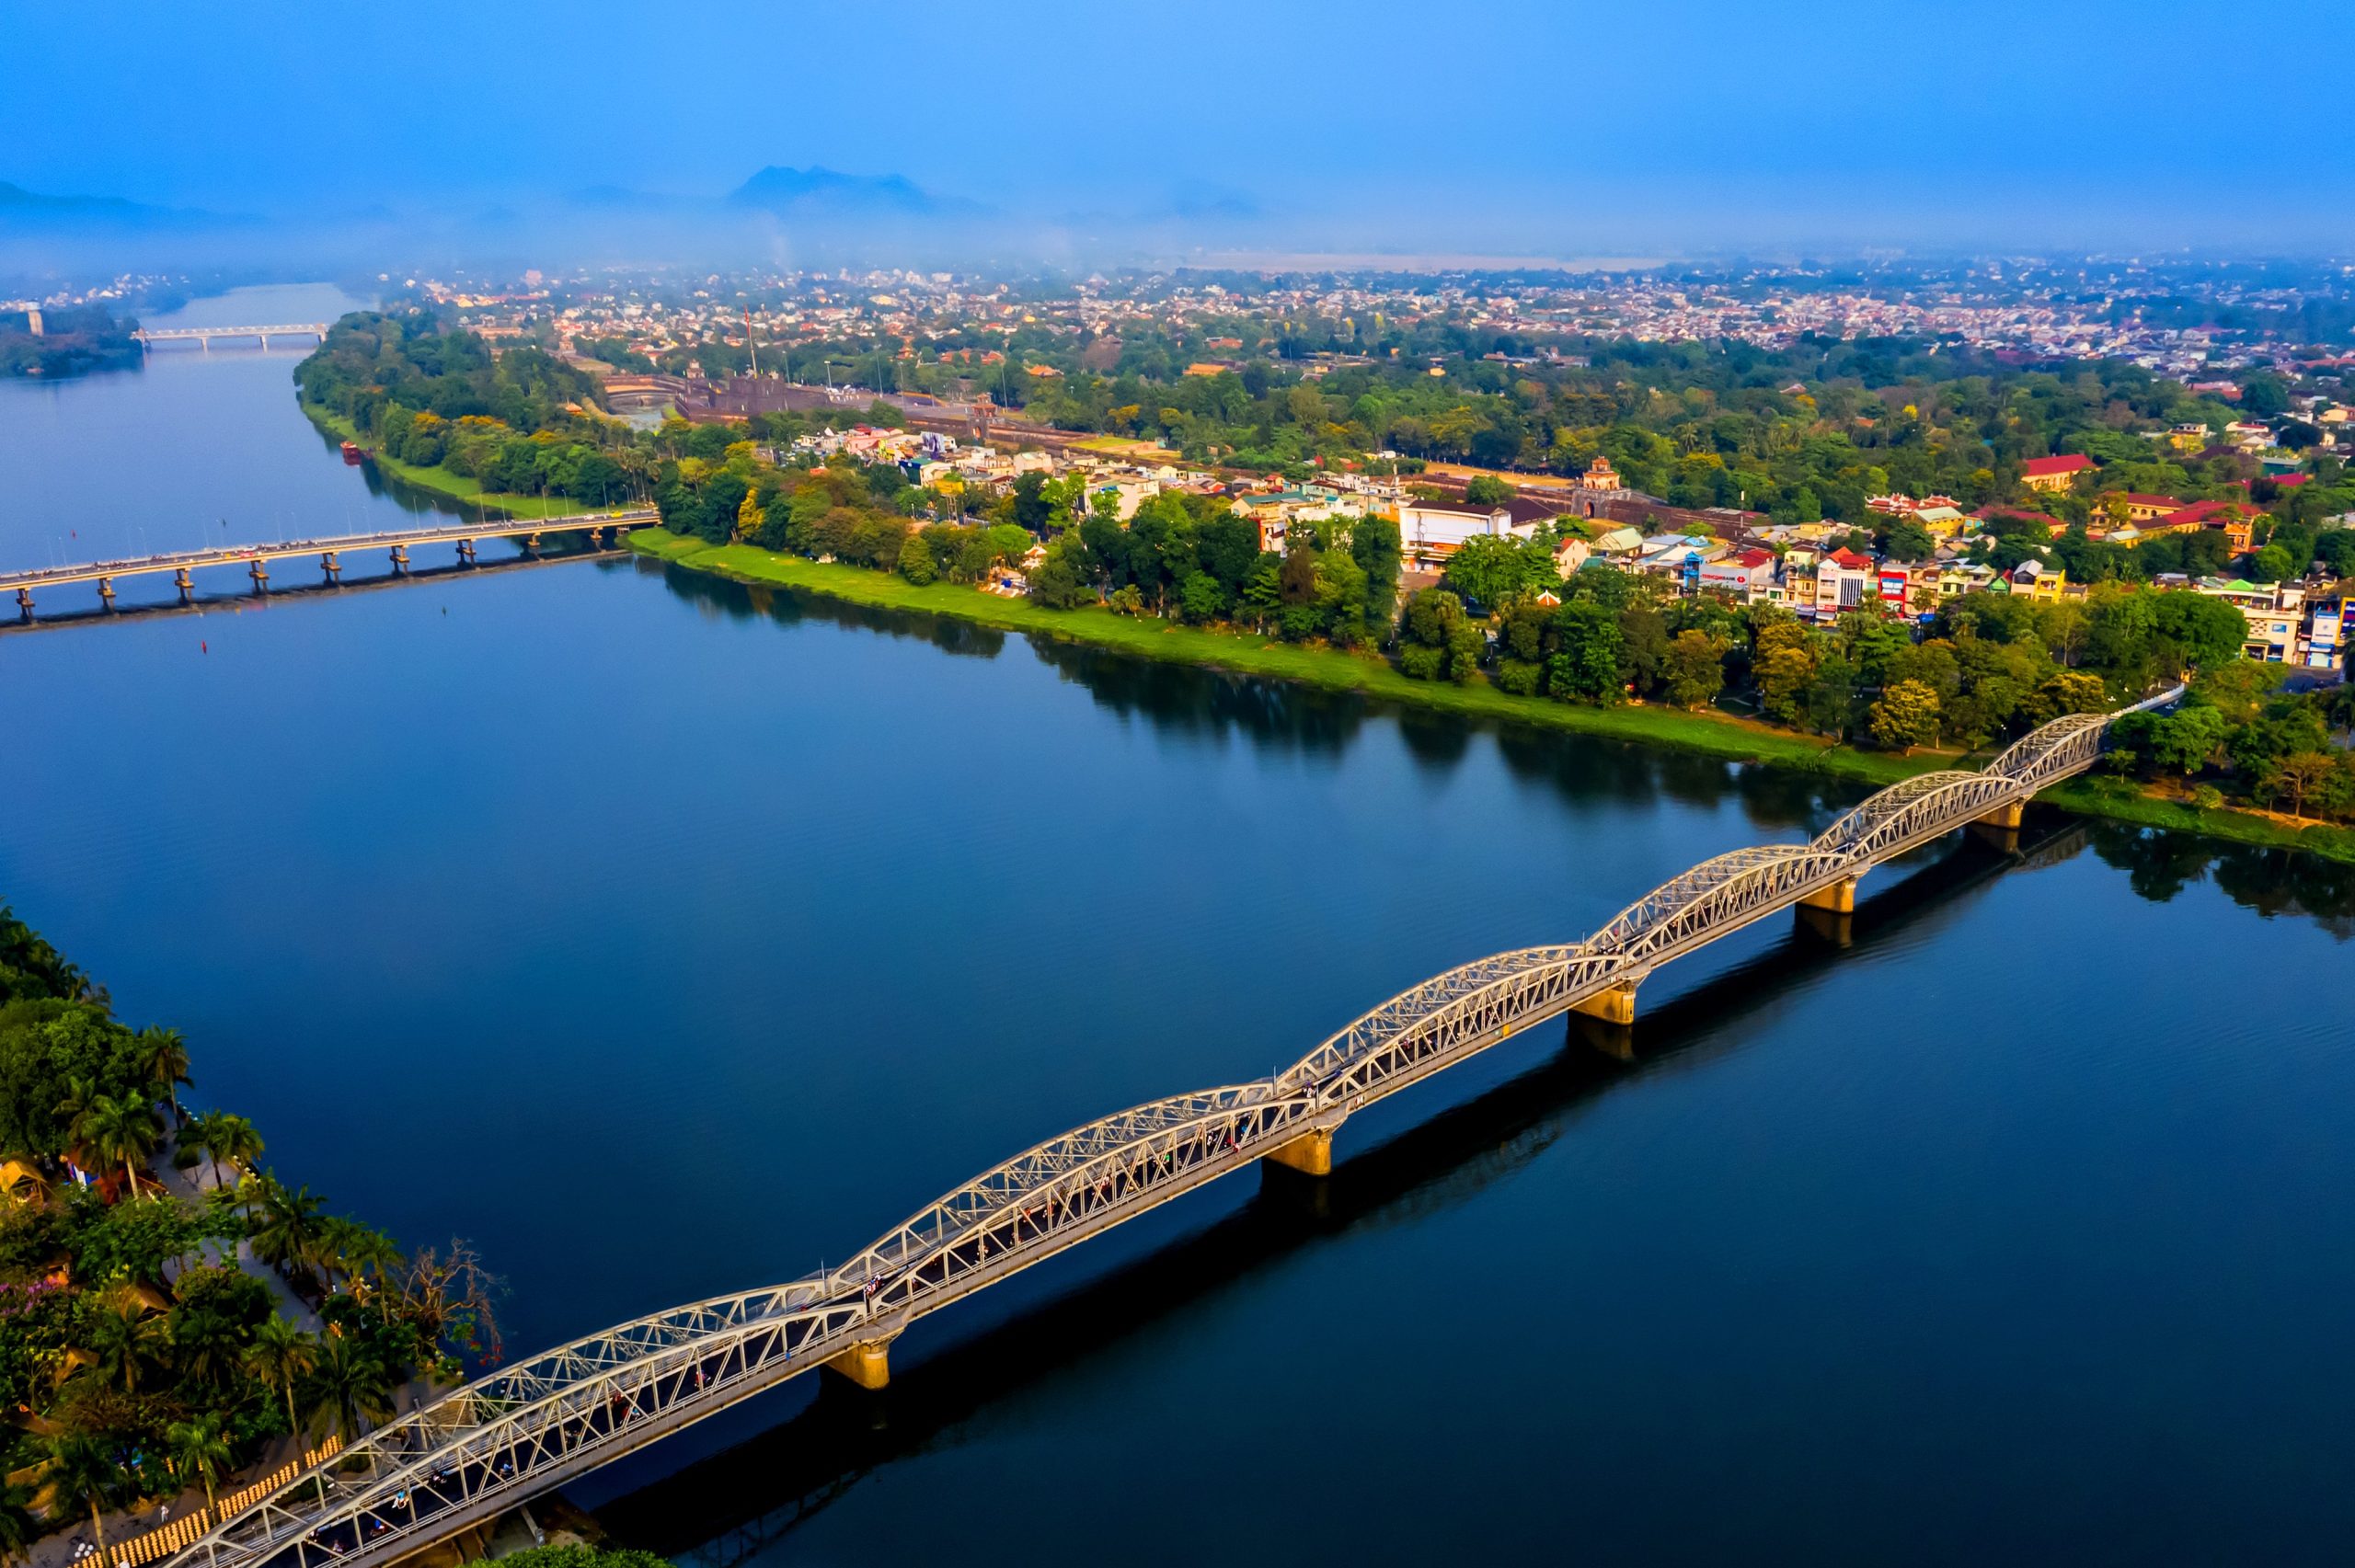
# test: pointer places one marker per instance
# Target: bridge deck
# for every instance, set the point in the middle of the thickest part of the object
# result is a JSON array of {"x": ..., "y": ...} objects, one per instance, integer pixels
[
  {"x": 239, "y": 554},
  {"x": 188, "y": 334},
  {"x": 523, "y": 1429}
]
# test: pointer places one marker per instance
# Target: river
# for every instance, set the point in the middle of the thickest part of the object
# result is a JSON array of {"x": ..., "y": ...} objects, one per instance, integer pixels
[{"x": 665, "y": 937}]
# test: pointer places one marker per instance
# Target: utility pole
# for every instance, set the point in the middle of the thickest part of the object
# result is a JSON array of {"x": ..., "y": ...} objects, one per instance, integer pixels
[{"x": 750, "y": 343}]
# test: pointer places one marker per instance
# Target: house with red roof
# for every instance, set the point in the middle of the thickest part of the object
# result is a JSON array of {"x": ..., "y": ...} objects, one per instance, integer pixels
[
  {"x": 2054, "y": 472},
  {"x": 2237, "y": 519}
]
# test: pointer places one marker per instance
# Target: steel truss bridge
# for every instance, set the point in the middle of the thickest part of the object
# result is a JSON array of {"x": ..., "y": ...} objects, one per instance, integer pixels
[
  {"x": 203, "y": 336},
  {"x": 256, "y": 558},
  {"x": 492, "y": 1444}
]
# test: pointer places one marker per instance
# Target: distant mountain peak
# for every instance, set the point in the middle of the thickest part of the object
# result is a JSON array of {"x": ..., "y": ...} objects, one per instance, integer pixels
[{"x": 778, "y": 189}]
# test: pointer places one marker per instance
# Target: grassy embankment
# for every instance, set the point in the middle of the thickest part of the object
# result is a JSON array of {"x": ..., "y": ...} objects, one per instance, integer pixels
[
  {"x": 1713, "y": 734},
  {"x": 440, "y": 481}
]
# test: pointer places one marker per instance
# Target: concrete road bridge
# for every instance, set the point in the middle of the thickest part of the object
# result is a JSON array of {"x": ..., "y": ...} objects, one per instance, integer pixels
[
  {"x": 203, "y": 336},
  {"x": 256, "y": 558},
  {"x": 495, "y": 1443}
]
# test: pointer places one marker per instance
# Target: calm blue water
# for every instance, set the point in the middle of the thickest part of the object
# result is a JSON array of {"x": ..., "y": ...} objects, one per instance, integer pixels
[{"x": 664, "y": 939}]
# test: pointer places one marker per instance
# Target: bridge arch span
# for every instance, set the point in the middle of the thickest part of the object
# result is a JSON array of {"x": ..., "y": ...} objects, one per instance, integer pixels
[{"x": 523, "y": 1429}]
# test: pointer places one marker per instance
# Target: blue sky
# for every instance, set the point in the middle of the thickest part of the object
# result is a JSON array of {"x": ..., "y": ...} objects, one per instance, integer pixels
[{"x": 1488, "y": 126}]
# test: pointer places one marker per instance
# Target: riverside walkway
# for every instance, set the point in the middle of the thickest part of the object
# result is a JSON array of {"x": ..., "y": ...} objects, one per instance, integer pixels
[
  {"x": 398, "y": 542},
  {"x": 522, "y": 1430}
]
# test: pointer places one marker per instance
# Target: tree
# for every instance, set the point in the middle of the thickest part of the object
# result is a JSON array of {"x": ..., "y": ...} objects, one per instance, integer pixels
[
  {"x": 1905, "y": 716},
  {"x": 1696, "y": 671},
  {"x": 1437, "y": 639},
  {"x": 280, "y": 1356},
  {"x": 1783, "y": 673},
  {"x": 222, "y": 1136},
  {"x": 2298, "y": 775},
  {"x": 198, "y": 1450},
  {"x": 574, "y": 1556},
  {"x": 366, "y": 1251},
  {"x": 1585, "y": 664},
  {"x": 1487, "y": 490},
  {"x": 120, "y": 1129},
  {"x": 286, "y": 1224},
  {"x": 82, "y": 1470},
  {"x": 123, "y": 1342},
  {"x": 1200, "y": 597},
  {"x": 347, "y": 1387},
  {"x": 163, "y": 1058},
  {"x": 916, "y": 562}
]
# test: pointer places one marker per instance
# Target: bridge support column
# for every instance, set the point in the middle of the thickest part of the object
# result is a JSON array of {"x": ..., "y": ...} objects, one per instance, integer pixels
[
  {"x": 530, "y": 543},
  {"x": 400, "y": 560},
  {"x": 2006, "y": 817},
  {"x": 331, "y": 566},
  {"x": 1840, "y": 898},
  {"x": 184, "y": 583},
  {"x": 1837, "y": 928},
  {"x": 466, "y": 552},
  {"x": 106, "y": 594},
  {"x": 24, "y": 605},
  {"x": 260, "y": 574},
  {"x": 1616, "y": 1005},
  {"x": 1311, "y": 1153},
  {"x": 1616, "y": 1041},
  {"x": 868, "y": 1365}
]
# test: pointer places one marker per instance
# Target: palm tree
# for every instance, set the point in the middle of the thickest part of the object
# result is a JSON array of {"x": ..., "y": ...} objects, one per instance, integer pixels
[
  {"x": 82, "y": 1470},
  {"x": 347, "y": 1387},
  {"x": 79, "y": 1092},
  {"x": 288, "y": 1223},
  {"x": 279, "y": 1353},
  {"x": 163, "y": 1061},
  {"x": 199, "y": 1450},
  {"x": 224, "y": 1137},
  {"x": 18, "y": 1529},
  {"x": 120, "y": 1129},
  {"x": 331, "y": 1252},
  {"x": 366, "y": 1249},
  {"x": 124, "y": 1341}
]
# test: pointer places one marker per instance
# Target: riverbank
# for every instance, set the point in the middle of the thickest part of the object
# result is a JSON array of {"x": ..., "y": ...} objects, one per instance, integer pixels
[
  {"x": 1710, "y": 734},
  {"x": 440, "y": 481}
]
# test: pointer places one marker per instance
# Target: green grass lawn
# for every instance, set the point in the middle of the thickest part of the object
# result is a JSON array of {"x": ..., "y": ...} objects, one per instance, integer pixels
[
  {"x": 440, "y": 480},
  {"x": 1717, "y": 734}
]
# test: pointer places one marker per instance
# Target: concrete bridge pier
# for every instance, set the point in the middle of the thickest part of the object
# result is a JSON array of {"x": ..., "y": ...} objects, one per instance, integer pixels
[
  {"x": 868, "y": 1365},
  {"x": 466, "y": 552},
  {"x": 596, "y": 539},
  {"x": 24, "y": 605},
  {"x": 106, "y": 594},
  {"x": 186, "y": 584},
  {"x": 2000, "y": 827},
  {"x": 1616, "y": 1041},
  {"x": 1311, "y": 1153},
  {"x": 1839, "y": 898},
  {"x": 1838, "y": 928},
  {"x": 260, "y": 574},
  {"x": 331, "y": 566},
  {"x": 1616, "y": 1005},
  {"x": 530, "y": 545},
  {"x": 400, "y": 560}
]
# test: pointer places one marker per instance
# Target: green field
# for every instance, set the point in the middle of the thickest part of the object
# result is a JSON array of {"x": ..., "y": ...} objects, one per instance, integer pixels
[
  {"x": 1715, "y": 735},
  {"x": 457, "y": 487}
]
